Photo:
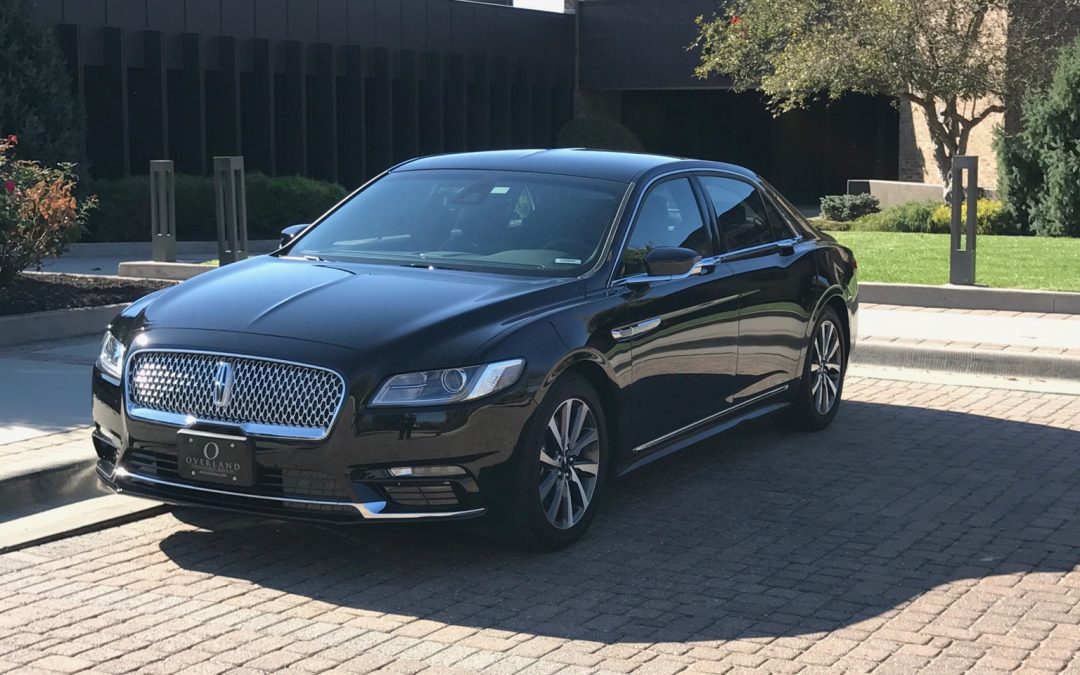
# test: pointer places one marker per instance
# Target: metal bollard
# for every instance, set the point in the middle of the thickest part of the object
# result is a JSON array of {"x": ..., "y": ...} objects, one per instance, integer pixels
[
  {"x": 231, "y": 209},
  {"x": 962, "y": 254},
  {"x": 163, "y": 210}
]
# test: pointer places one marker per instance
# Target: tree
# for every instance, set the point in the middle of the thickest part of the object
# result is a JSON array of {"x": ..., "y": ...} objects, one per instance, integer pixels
[
  {"x": 950, "y": 58},
  {"x": 36, "y": 103},
  {"x": 1040, "y": 176}
]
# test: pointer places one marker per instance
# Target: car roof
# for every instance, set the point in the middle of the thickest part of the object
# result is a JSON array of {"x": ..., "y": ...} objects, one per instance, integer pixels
[{"x": 616, "y": 166}]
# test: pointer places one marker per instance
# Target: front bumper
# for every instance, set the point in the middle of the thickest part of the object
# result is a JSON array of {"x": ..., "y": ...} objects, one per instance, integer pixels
[{"x": 344, "y": 477}]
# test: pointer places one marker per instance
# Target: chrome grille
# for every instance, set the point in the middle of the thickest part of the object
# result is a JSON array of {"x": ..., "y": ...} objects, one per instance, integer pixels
[{"x": 267, "y": 397}]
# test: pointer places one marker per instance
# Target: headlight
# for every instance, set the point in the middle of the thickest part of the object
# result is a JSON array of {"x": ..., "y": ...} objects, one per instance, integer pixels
[
  {"x": 450, "y": 385},
  {"x": 111, "y": 358}
]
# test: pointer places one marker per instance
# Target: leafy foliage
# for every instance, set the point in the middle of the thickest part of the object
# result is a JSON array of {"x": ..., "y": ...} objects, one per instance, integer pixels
[
  {"x": 36, "y": 102},
  {"x": 844, "y": 208},
  {"x": 38, "y": 212},
  {"x": 991, "y": 217},
  {"x": 273, "y": 203},
  {"x": 1041, "y": 164},
  {"x": 909, "y": 217},
  {"x": 949, "y": 57}
]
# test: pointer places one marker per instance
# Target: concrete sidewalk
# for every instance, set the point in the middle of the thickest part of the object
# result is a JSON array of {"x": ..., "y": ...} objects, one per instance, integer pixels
[{"x": 970, "y": 341}]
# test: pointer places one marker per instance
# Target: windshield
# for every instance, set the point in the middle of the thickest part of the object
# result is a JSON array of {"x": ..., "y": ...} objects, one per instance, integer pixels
[{"x": 507, "y": 221}]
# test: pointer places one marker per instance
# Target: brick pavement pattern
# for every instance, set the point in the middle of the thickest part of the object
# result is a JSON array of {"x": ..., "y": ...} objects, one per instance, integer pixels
[{"x": 933, "y": 528}]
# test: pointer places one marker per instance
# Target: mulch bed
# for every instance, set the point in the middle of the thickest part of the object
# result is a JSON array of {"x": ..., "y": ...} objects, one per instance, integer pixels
[{"x": 41, "y": 292}]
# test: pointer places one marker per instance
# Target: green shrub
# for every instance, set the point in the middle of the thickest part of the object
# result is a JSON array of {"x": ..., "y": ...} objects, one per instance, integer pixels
[
  {"x": 39, "y": 213},
  {"x": 990, "y": 215},
  {"x": 1042, "y": 162},
  {"x": 597, "y": 134},
  {"x": 909, "y": 217},
  {"x": 845, "y": 208},
  {"x": 36, "y": 103},
  {"x": 273, "y": 203}
]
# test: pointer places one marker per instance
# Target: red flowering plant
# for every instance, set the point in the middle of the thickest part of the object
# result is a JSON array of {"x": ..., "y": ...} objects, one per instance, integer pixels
[{"x": 39, "y": 212}]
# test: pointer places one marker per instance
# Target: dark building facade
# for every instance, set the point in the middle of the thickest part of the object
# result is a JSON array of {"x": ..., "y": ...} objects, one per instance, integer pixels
[
  {"x": 332, "y": 89},
  {"x": 341, "y": 89},
  {"x": 636, "y": 67}
]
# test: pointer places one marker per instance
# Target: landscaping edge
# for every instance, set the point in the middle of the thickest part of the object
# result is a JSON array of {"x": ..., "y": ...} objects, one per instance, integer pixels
[
  {"x": 56, "y": 324},
  {"x": 970, "y": 297}
]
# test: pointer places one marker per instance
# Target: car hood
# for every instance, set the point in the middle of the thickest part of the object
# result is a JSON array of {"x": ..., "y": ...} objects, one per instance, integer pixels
[{"x": 357, "y": 306}]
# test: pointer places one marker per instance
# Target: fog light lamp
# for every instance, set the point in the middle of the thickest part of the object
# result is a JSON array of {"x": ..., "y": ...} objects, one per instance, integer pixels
[{"x": 426, "y": 471}]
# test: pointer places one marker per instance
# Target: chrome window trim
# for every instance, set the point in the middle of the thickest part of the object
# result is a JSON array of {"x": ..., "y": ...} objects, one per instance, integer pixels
[
  {"x": 249, "y": 428},
  {"x": 711, "y": 418},
  {"x": 760, "y": 247},
  {"x": 369, "y": 510}
]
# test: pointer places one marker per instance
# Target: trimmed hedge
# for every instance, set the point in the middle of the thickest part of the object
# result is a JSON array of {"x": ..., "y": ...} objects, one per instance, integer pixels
[
  {"x": 845, "y": 208},
  {"x": 123, "y": 212},
  {"x": 928, "y": 218}
]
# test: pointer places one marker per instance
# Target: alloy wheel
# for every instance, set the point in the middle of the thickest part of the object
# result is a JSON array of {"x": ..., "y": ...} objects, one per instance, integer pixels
[
  {"x": 826, "y": 368},
  {"x": 569, "y": 463}
]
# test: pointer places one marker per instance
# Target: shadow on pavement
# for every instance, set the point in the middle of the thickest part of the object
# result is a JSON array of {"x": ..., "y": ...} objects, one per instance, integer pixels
[{"x": 759, "y": 532}]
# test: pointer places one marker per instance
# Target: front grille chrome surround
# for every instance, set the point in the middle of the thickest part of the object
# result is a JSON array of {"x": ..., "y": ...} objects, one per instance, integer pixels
[{"x": 269, "y": 397}]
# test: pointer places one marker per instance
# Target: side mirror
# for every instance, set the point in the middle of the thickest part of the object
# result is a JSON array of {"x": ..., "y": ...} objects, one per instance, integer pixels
[
  {"x": 290, "y": 232},
  {"x": 671, "y": 261}
]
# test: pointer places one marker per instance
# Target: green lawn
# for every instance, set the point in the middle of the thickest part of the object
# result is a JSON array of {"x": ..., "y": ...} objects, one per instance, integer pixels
[{"x": 1002, "y": 262}]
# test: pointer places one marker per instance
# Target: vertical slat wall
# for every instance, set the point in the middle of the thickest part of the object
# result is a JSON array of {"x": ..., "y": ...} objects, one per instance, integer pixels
[{"x": 334, "y": 89}]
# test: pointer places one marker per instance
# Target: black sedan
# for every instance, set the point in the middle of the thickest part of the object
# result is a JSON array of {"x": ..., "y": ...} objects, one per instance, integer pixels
[{"x": 490, "y": 333}]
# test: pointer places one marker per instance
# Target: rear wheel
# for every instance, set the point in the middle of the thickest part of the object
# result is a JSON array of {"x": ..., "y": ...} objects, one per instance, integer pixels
[
  {"x": 822, "y": 383},
  {"x": 559, "y": 468}
]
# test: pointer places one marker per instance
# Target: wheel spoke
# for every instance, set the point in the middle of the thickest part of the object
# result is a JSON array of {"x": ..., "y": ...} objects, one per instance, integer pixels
[
  {"x": 553, "y": 427},
  {"x": 564, "y": 424},
  {"x": 553, "y": 509},
  {"x": 832, "y": 386},
  {"x": 547, "y": 484},
  {"x": 590, "y": 468},
  {"x": 588, "y": 438},
  {"x": 582, "y": 492},
  {"x": 815, "y": 386},
  {"x": 577, "y": 423},
  {"x": 568, "y": 502},
  {"x": 548, "y": 459}
]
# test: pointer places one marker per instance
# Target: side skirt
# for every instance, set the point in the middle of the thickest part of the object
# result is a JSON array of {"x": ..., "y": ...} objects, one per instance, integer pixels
[{"x": 704, "y": 434}]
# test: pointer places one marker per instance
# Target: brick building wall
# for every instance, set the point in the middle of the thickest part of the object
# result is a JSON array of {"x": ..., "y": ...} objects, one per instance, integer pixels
[{"x": 917, "y": 162}]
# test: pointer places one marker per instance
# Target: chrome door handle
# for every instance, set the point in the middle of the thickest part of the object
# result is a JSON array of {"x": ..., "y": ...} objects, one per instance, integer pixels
[{"x": 635, "y": 329}]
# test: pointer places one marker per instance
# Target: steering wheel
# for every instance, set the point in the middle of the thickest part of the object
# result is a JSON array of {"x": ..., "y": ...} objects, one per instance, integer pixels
[{"x": 578, "y": 247}]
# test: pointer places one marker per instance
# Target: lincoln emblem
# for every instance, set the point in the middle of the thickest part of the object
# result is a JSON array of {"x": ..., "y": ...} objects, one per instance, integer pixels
[{"x": 224, "y": 378}]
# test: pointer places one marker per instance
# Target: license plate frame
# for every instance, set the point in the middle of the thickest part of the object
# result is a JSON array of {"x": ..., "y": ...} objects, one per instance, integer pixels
[{"x": 218, "y": 459}]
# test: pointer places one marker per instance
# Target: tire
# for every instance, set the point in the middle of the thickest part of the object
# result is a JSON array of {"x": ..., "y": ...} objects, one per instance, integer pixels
[
  {"x": 819, "y": 395},
  {"x": 528, "y": 514}
]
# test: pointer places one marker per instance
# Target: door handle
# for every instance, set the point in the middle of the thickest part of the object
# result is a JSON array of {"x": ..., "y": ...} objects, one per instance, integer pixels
[{"x": 635, "y": 329}]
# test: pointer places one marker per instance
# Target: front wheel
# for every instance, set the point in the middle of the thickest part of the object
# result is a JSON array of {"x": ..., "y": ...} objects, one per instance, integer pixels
[
  {"x": 559, "y": 469},
  {"x": 822, "y": 383}
]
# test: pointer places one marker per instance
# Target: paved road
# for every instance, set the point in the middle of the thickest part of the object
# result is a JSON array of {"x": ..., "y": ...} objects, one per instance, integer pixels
[{"x": 905, "y": 537}]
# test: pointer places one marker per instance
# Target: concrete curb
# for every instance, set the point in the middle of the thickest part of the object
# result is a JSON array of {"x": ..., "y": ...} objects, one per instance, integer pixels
[
  {"x": 170, "y": 271},
  {"x": 56, "y": 324},
  {"x": 968, "y": 362},
  {"x": 142, "y": 249},
  {"x": 971, "y": 297},
  {"x": 70, "y": 520}
]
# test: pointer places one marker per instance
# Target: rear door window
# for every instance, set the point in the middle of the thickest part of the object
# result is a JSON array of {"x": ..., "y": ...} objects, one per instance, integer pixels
[{"x": 741, "y": 215}]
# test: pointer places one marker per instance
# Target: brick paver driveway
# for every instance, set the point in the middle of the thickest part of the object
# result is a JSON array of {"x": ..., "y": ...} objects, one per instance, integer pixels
[{"x": 903, "y": 538}]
